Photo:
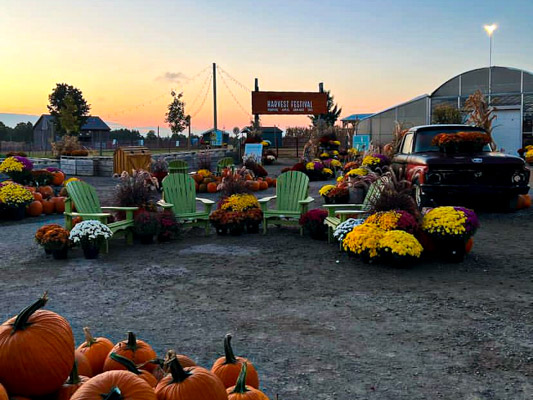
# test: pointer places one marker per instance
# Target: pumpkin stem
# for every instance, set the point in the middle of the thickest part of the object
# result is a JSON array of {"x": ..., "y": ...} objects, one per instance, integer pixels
[
  {"x": 240, "y": 386},
  {"x": 126, "y": 362},
  {"x": 177, "y": 371},
  {"x": 89, "y": 340},
  {"x": 21, "y": 322},
  {"x": 114, "y": 394},
  {"x": 74, "y": 377},
  {"x": 230, "y": 357},
  {"x": 132, "y": 341}
]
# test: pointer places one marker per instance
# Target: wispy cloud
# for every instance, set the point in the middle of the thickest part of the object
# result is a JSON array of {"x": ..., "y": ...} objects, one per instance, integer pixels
[{"x": 174, "y": 77}]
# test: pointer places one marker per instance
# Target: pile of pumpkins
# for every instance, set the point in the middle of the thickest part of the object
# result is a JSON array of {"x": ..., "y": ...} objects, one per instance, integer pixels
[
  {"x": 210, "y": 183},
  {"x": 45, "y": 201},
  {"x": 38, "y": 359}
]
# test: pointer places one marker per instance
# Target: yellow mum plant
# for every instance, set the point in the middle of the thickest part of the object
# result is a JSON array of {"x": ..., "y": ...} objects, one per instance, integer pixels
[
  {"x": 386, "y": 220},
  {"x": 240, "y": 202},
  {"x": 363, "y": 239},
  {"x": 14, "y": 195},
  {"x": 357, "y": 172},
  {"x": 204, "y": 172},
  {"x": 325, "y": 189},
  {"x": 444, "y": 221},
  {"x": 400, "y": 243},
  {"x": 370, "y": 161},
  {"x": 11, "y": 164},
  {"x": 336, "y": 164}
]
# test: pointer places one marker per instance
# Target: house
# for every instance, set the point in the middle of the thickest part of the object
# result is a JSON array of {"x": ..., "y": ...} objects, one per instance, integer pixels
[
  {"x": 273, "y": 134},
  {"x": 92, "y": 133}
]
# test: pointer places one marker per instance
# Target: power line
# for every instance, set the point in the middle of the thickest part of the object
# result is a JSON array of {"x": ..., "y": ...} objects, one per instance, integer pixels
[
  {"x": 194, "y": 114},
  {"x": 234, "y": 98}
]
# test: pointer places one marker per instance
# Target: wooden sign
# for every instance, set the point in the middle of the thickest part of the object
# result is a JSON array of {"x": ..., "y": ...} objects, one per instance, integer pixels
[{"x": 310, "y": 103}]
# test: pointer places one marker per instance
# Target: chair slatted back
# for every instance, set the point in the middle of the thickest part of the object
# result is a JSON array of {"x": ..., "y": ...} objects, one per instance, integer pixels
[
  {"x": 374, "y": 191},
  {"x": 178, "y": 166},
  {"x": 84, "y": 197},
  {"x": 225, "y": 162},
  {"x": 291, "y": 187},
  {"x": 179, "y": 190}
]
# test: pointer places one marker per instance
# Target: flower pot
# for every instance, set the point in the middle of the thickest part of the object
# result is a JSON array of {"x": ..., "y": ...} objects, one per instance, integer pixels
[
  {"x": 17, "y": 213},
  {"x": 146, "y": 239},
  {"x": 91, "y": 251},
  {"x": 60, "y": 254},
  {"x": 221, "y": 229},
  {"x": 236, "y": 229},
  {"x": 452, "y": 250},
  {"x": 252, "y": 226},
  {"x": 47, "y": 251},
  {"x": 357, "y": 195}
]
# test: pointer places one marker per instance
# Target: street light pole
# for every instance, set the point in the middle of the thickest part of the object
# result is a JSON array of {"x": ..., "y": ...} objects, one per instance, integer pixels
[{"x": 490, "y": 31}]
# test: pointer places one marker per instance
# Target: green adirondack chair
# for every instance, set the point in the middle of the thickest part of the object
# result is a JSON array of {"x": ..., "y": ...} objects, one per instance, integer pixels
[
  {"x": 338, "y": 213},
  {"x": 179, "y": 194},
  {"x": 292, "y": 200},
  {"x": 178, "y": 166},
  {"x": 224, "y": 163},
  {"x": 88, "y": 206}
]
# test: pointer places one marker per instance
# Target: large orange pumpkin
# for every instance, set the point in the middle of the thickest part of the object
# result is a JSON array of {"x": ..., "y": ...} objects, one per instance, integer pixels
[
  {"x": 59, "y": 203},
  {"x": 524, "y": 201},
  {"x": 469, "y": 245},
  {"x": 134, "y": 349},
  {"x": 58, "y": 178},
  {"x": 254, "y": 185},
  {"x": 183, "y": 360},
  {"x": 198, "y": 178},
  {"x": 36, "y": 351},
  {"x": 70, "y": 387},
  {"x": 263, "y": 185},
  {"x": 130, "y": 366},
  {"x": 115, "y": 385},
  {"x": 96, "y": 350},
  {"x": 3, "y": 393},
  {"x": 190, "y": 383},
  {"x": 46, "y": 191},
  {"x": 241, "y": 391},
  {"x": 48, "y": 206},
  {"x": 83, "y": 365},
  {"x": 38, "y": 196},
  {"x": 212, "y": 187},
  {"x": 228, "y": 368},
  {"x": 35, "y": 208}
]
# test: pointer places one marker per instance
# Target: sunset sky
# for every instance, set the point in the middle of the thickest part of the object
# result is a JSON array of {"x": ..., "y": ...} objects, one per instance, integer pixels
[{"x": 126, "y": 55}]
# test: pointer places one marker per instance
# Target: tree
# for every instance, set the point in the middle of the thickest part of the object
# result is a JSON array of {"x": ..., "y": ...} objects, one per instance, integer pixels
[
  {"x": 176, "y": 117},
  {"x": 68, "y": 120},
  {"x": 57, "y": 102},
  {"x": 23, "y": 132},
  {"x": 331, "y": 116},
  {"x": 150, "y": 135},
  {"x": 447, "y": 114}
]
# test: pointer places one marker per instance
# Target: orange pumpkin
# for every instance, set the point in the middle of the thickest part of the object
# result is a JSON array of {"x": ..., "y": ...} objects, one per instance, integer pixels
[
  {"x": 202, "y": 188},
  {"x": 212, "y": 187},
  {"x": 269, "y": 181},
  {"x": 46, "y": 191},
  {"x": 38, "y": 196},
  {"x": 241, "y": 391},
  {"x": 130, "y": 366},
  {"x": 254, "y": 186},
  {"x": 30, "y": 188},
  {"x": 48, "y": 206},
  {"x": 524, "y": 201},
  {"x": 134, "y": 349},
  {"x": 190, "y": 383},
  {"x": 73, "y": 383},
  {"x": 263, "y": 185},
  {"x": 115, "y": 385},
  {"x": 83, "y": 364},
  {"x": 198, "y": 178},
  {"x": 274, "y": 182},
  {"x": 36, "y": 351},
  {"x": 183, "y": 360},
  {"x": 34, "y": 209},
  {"x": 96, "y": 350},
  {"x": 3, "y": 393},
  {"x": 58, "y": 178},
  {"x": 228, "y": 368},
  {"x": 248, "y": 177},
  {"x": 59, "y": 203},
  {"x": 469, "y": 245}
]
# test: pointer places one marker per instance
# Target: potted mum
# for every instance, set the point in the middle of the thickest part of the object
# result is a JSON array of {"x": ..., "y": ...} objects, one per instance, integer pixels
[
  {"x": 346, "y": 227},
  {"x": 146, "y": 226},
  {"x": 18, "y": 168},
  {"x": 216, "y": 220},
  {"x": 160, "y": 169},
  {"x": 90, "y": 235},
  {"x": 13, "y": 200},
  {"x": 313, "y": 223},
  {"x": 234, "y": 221},
  {"x": 399, "y": 248},
  {"x": 363, "y": 241},
  {"x": 253, "y": 218},
  {"x": 169, "y": 226},
  {"x": 41, "y": 232},
  {"x": 56, "y": 240}
]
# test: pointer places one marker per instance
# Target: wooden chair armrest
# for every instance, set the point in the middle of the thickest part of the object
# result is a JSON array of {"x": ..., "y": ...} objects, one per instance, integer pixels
[
  {"x": 267, "y": 199},
  {"x": 205, "y": 201},
  {"x": 96, "y": 215},
  {"x": 164, "y": 204},
  {"x": 308, "y": 200},
  {"x": 120, "y": 208}
]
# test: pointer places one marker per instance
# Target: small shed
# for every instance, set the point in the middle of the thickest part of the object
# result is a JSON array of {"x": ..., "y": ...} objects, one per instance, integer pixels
[
  {"x": 210, "y": 137},
  {"x": 130, "y": 158},
  {"x": 272, "y": 134}
]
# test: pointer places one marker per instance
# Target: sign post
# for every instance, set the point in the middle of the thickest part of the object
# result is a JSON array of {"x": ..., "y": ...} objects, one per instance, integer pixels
[{"x": 292, "y": 103}]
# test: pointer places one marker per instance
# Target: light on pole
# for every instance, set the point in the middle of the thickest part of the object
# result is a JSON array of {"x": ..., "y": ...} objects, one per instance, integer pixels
[{"x": 490, "y": 31}]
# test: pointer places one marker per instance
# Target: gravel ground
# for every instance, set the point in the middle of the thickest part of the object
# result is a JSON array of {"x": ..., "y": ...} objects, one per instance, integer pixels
[{"x": 316, "y": 323}]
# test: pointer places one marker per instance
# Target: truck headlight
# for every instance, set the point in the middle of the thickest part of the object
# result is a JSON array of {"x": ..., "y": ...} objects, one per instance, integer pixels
[
  {"x": 434, "y": 178},
  {"x": 518, "y": 177}
]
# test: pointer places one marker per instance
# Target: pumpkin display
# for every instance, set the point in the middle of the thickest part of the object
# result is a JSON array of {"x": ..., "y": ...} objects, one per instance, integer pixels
[
  {"x": 46, "y": 191},
  {"x": 71, "y": 385},
  {"x": 228, "y": 368},
  {"x": 48, "y": 207},
  {"x": 96, "y": 350},
  {"x": 468, "y": 246},
  {"x": 134, "y": 349},
  {"x": 3, "y": 393},
  {"x": 190, "y": 383},
  {"x": 184, "y": 360},
  {"x": 38, "y": 196},
  {"x": 58, "y": 178},
  {"x": 59, "y": 203},
  {"x": 35, "y": 208},
  {"x": 83, "y": 365},
  {"x": 36, "y": 351},
  {"x": 198, "y": 178},
  {"x": 241, "y": 391},
  {"x": 130, "y": 366},
  {"x": 253, "y": 185},
  {"x": 115, "y": 385},
  {"x": 263, "y": 185},
  {"x": 211, "y": 187}
]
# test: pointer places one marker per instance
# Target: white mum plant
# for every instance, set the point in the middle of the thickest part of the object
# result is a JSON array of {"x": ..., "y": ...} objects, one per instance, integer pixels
[
  {"x": 89, "y": 231},
  {"x": 346, "y": 227}
]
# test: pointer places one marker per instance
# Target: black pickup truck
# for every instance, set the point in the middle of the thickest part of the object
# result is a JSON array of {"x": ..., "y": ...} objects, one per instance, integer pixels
[{"x": 440, "y": 178}]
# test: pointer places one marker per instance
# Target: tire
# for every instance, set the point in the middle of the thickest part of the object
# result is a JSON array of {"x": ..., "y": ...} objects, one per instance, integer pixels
[{"x": 420, "y": 199}]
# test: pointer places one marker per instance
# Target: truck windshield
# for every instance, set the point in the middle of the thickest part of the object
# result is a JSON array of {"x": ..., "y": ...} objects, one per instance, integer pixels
[{"x": 425, "y": 137}]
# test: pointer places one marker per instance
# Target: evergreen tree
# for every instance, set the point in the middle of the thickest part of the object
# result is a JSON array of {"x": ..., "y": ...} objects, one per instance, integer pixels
[{"x": 331, "y": 116}]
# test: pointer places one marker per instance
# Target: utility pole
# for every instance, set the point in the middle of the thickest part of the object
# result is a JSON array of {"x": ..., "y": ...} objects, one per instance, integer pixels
[
  {"x": 189, "y": 139},
  {"x": 256, "y": 116},
  {"x": 158, "y": 138},
  {"x": 215, "y": 96}
]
